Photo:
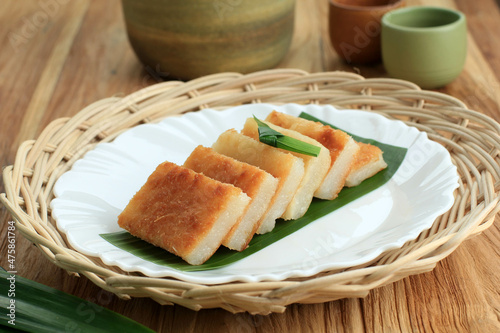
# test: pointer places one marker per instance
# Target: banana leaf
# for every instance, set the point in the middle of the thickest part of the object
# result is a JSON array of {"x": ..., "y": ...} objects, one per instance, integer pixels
[
  {"x": 393, "y": 156},
  {"x": 29, "y": 306}
]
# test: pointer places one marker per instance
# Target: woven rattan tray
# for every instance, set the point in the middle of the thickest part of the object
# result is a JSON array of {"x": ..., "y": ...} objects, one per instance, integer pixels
[{"x": 472, "y": 139}]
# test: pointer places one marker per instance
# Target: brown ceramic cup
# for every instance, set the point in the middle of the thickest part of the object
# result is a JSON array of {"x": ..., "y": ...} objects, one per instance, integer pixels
[{"x": 354, "y": 27}]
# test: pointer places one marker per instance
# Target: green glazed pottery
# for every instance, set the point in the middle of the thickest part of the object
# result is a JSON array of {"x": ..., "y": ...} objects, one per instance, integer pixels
[
  {"x": 424, "y": 45},
  {"x": 185, "y": 39}
]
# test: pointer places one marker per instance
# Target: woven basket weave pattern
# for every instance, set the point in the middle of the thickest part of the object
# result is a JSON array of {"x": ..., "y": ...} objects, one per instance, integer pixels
[{"x": 472, "y": 139}]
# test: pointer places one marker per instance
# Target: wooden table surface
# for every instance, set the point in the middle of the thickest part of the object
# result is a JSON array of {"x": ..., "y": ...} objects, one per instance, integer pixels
[{"x": 59, "y": 56}]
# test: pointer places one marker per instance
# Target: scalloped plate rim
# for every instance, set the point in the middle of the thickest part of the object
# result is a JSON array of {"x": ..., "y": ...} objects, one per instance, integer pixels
[{"x": 236, "y": 271}]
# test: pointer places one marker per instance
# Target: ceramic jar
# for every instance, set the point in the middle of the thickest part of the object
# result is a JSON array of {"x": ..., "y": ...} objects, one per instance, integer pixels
[{"x": 191, "y": 38}]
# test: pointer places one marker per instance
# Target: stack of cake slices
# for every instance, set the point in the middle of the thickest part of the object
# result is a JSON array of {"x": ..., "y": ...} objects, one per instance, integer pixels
[{"x": 239, "y": 187}]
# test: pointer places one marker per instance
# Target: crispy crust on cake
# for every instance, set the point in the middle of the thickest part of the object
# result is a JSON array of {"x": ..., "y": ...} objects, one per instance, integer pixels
[
  {"x": 316, "y": 168},
  {"x": 369, "y": 162},
  {"x": 177, "y": 208},
  {"x": 226, "y": 169},
  {"x": 342, "y": 148},
  {"x": 332, "y": 139},
  {"x": 287, "y": 168},
  {"x": 259, "y": 185}
]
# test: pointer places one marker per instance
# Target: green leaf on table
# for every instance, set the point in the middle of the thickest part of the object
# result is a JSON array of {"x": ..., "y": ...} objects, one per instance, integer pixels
[
  {"x": 34, "y": 307},
  {"x": 393, "y": 156}
]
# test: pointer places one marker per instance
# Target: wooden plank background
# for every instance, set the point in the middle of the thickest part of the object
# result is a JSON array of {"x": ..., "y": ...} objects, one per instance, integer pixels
[{"x": 59, "y": 56}]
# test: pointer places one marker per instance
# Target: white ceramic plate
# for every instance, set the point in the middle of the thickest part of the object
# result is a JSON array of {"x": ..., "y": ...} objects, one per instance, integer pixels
[{"x": 90, "y": 196}]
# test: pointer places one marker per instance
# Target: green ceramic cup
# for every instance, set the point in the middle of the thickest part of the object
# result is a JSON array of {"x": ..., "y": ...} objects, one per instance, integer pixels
[{"x": 424, "y": 45}]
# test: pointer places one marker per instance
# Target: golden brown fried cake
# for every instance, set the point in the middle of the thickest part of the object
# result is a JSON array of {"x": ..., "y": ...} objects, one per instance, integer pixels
[
  {"x": 369, "y": 162},
  {"x": 183, "y": 212},
  {"x": 259, "y": 185},
  {"x": 343, "y": 150},
  {"x": 287, "y": 168},
  {"x": 315, "y": 169}
]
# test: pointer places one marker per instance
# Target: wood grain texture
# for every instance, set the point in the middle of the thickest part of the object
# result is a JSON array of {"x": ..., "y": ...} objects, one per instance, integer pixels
[{"x": 60, "y": 56}]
